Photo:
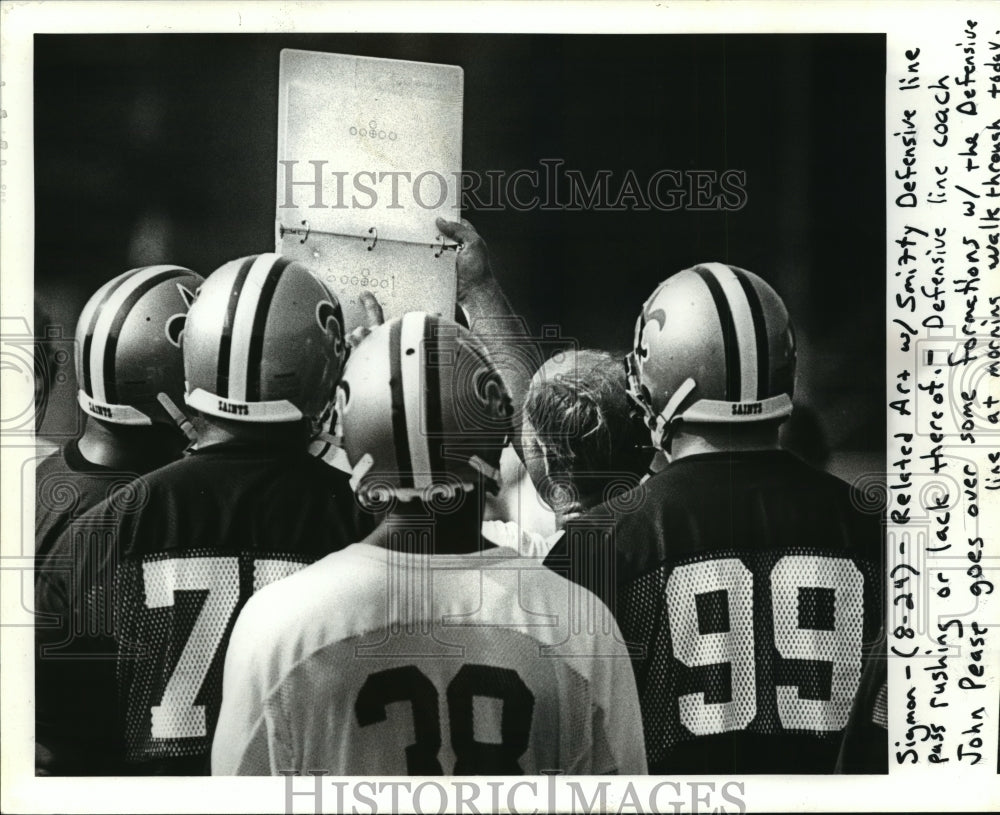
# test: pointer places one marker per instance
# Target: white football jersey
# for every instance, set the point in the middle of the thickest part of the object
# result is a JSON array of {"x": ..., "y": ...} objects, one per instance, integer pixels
[{"x": 378, "y": 662}]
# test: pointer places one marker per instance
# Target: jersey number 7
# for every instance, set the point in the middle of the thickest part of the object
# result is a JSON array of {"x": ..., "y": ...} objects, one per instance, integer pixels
[{"x": 177, "y": 716}]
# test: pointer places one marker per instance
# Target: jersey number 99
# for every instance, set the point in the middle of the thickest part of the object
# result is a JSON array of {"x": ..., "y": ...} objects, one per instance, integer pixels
[{"x": 711, "y": 611}]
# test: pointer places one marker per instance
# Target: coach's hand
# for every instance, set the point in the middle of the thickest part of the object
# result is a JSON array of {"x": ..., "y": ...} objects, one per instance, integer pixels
[
  {"x": 472, "y": 261},
  {"x": 373, "y": 317}
]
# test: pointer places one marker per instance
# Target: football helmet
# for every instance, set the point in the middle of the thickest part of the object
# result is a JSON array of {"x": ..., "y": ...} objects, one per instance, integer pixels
[
  {"x": 713, "y": 343},
  {"x": 422, "y": 412},
  {"x": 128, "y": 344},
  {"x": 264, "y": 343}
]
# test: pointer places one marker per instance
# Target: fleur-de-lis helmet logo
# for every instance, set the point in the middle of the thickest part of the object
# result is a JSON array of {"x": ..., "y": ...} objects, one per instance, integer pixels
[
  {"x": 330, "y": 320},
  {"x": 174, "y": 328}
]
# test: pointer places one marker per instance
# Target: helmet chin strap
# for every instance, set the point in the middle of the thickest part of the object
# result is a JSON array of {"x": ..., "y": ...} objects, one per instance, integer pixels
[
  {"x": 336, "y": 441},
  {"x": 360, "y": 470},
  {"x": 661, "y": 423},
  {"x": 180, "y": 419},
  {"x": 490, "y": 472},
  {"x": 179, "y": 416}
]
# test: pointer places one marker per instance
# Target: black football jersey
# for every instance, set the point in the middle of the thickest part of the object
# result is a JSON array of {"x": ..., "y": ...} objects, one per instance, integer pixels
[
  {"x": 138, "y": 598},
  {"x": 865, "y": 746},
  {"x": 747, "y": 586},
  {"x": 66, "y": 486}
]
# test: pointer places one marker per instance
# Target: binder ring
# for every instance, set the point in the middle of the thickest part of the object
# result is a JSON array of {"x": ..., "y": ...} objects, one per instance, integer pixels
[
  {"x": 372, "y": 231},
  {"x": 444, "y": 247}
]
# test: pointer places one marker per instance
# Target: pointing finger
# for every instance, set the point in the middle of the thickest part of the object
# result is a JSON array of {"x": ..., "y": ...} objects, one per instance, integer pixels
[
  {"x": 462, "y": 233},
  {"x": 373, "y": 310}
]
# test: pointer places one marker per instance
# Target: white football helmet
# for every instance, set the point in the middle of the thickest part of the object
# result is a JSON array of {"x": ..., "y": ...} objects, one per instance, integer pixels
[
  {"x": 713, "y": 343},
  {"x": 264, "y": 342},
  {"x": 422, "y": 412},
  {"x": 128, "y": 345}
]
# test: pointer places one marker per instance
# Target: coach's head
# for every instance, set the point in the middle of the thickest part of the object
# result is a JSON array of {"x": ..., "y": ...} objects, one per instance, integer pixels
[{"x": 578, "y": 436}]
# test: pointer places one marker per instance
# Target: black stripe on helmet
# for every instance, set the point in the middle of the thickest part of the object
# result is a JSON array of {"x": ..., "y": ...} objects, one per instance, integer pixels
[
  {"x": 729, "y": 345},
  {"x": 759, "y": 332},
  {"x": 400, "y": 438},
  {"x": 256, "y": 352},
  {"x": 432, "y": 388},
  {"x": 88, "y": 339},
  {"x": 226, "y": 341},
  {"x": 111, "y": 345}
]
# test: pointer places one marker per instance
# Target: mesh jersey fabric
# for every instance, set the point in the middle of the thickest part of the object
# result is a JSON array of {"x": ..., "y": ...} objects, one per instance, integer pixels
[
  {"x": 865, "y": 746},
  {"x": 747, "y": 585},
  {"x": 395, "y": 663},
  {"x": 139, "y": 598}
]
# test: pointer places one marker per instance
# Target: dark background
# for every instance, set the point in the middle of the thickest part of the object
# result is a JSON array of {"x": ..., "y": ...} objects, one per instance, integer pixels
[{"x": 162, "y": 148}]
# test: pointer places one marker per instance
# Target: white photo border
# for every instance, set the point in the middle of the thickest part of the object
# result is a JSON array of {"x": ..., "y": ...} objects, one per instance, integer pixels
[{"x": 943, "y": 788}]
